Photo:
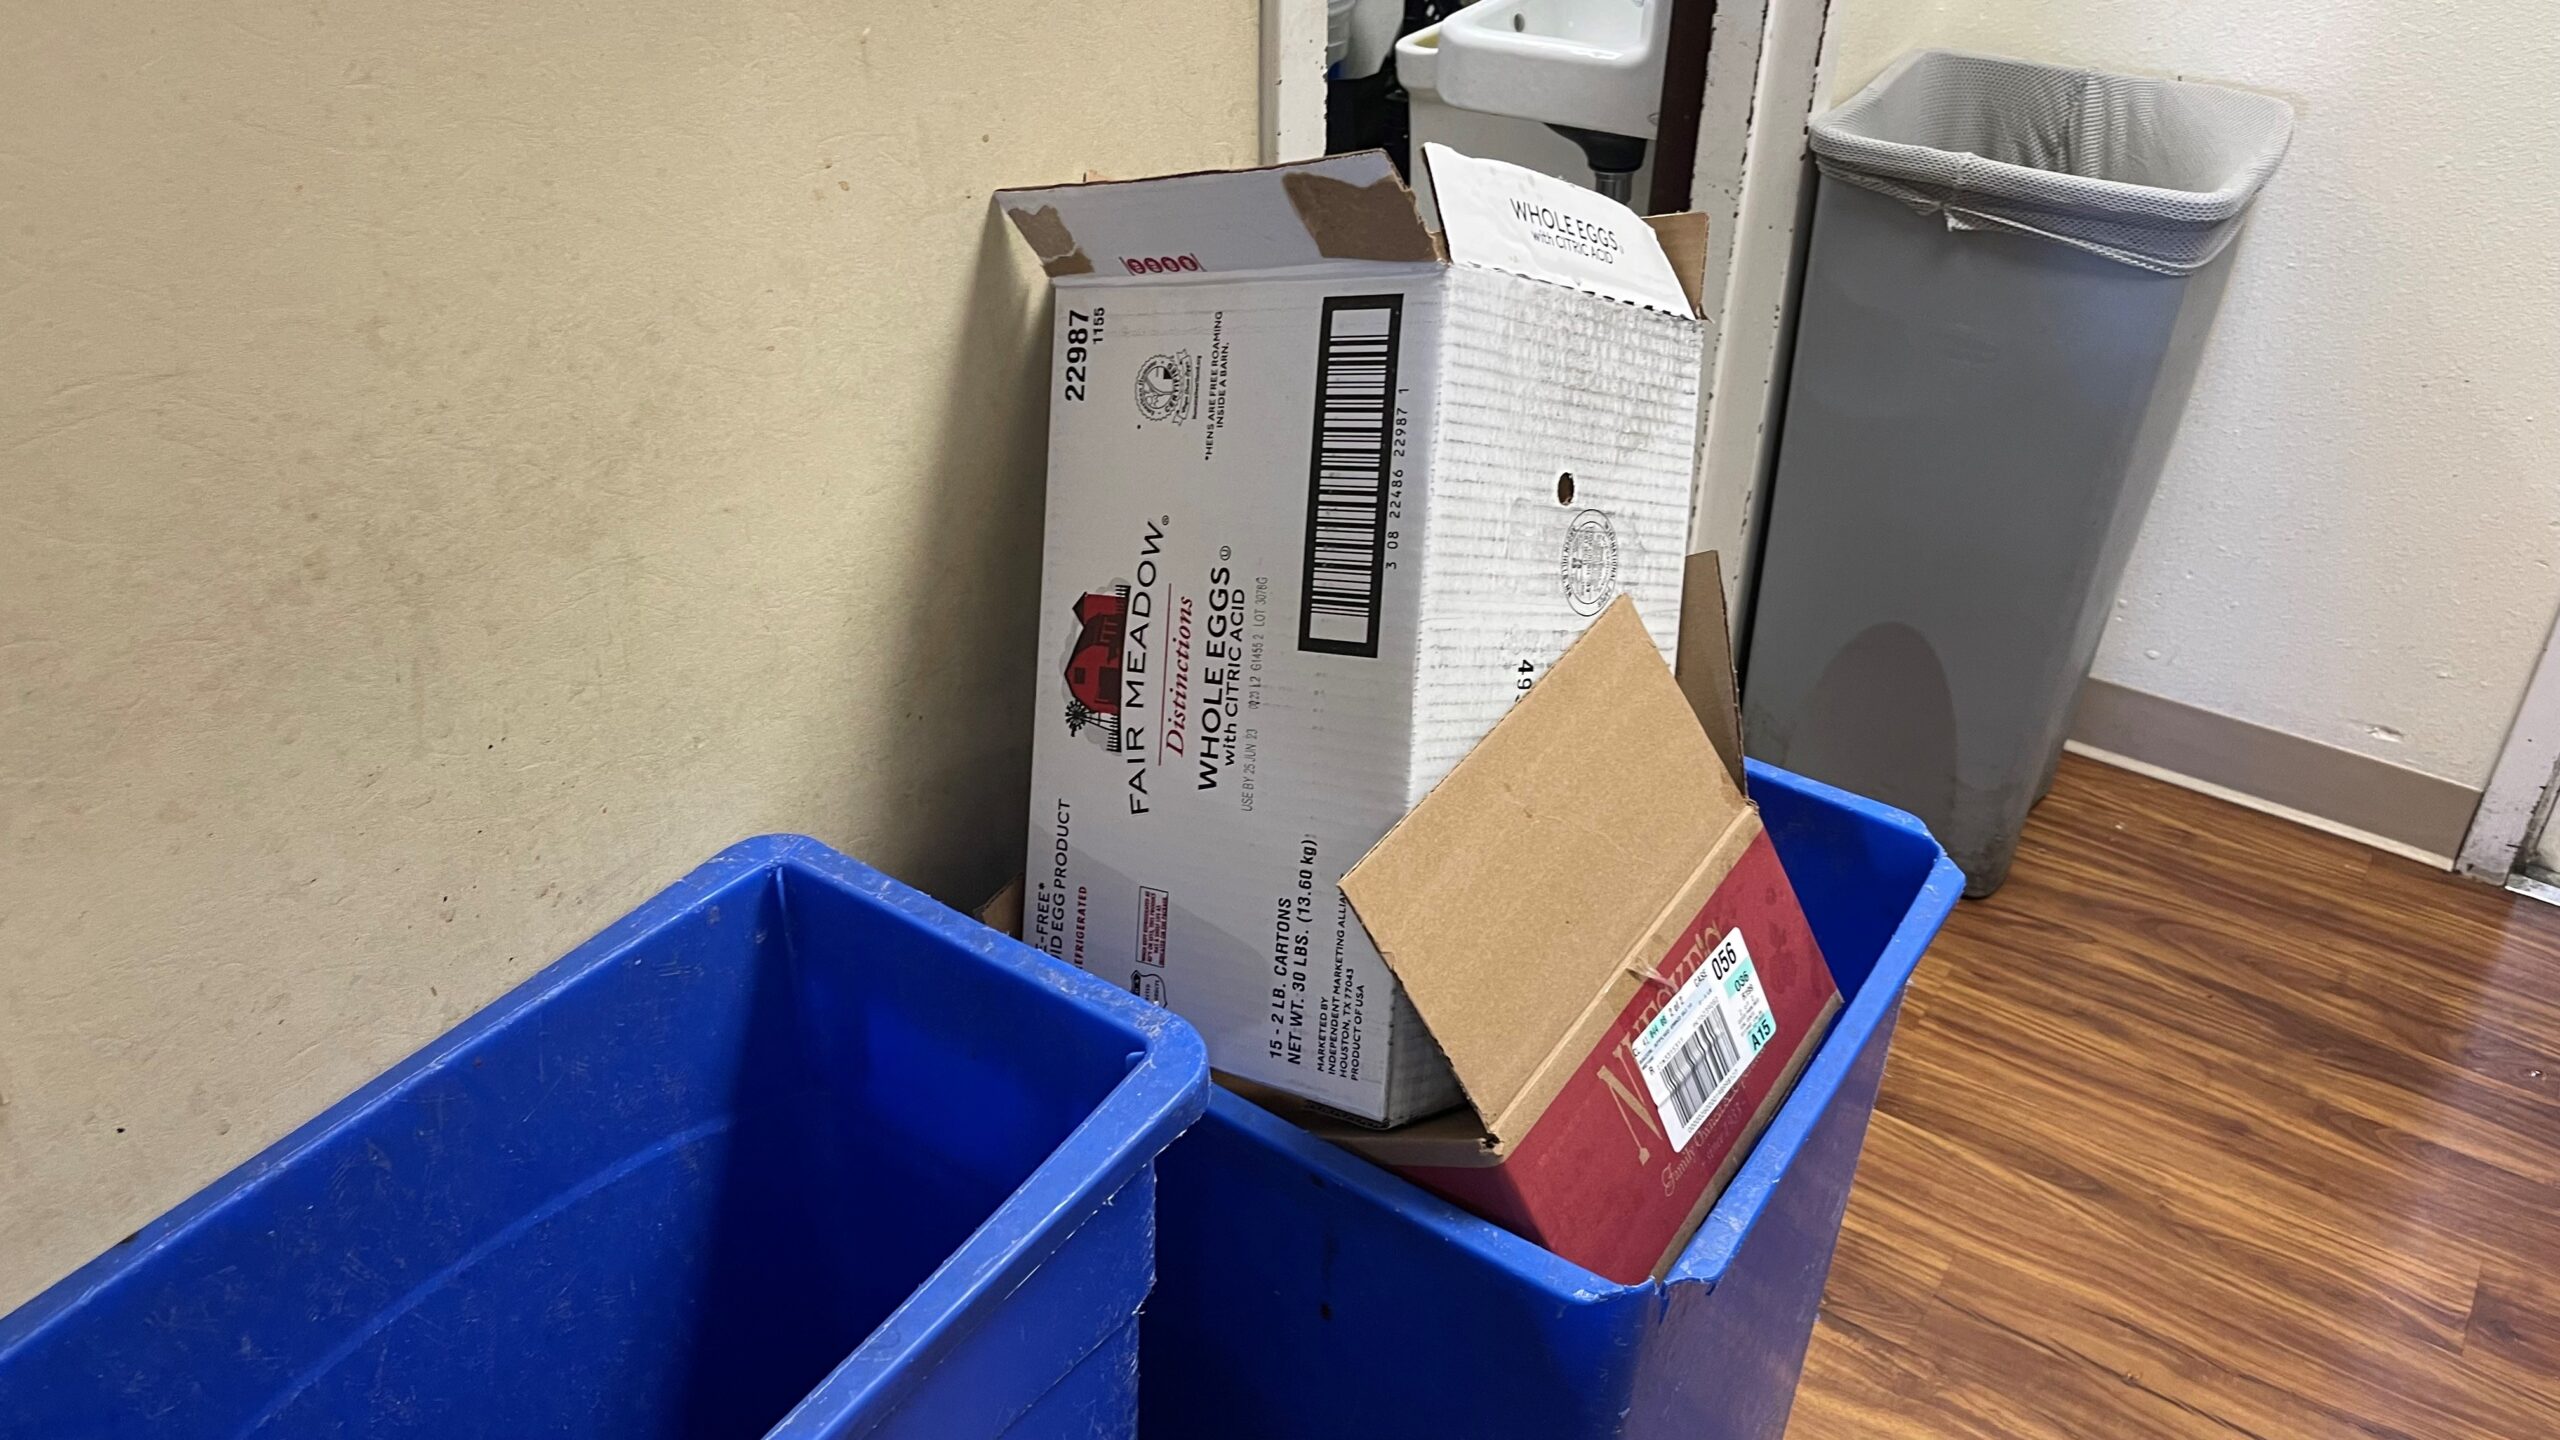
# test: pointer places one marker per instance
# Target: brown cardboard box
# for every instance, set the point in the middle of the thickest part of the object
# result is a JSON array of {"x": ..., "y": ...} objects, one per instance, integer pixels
[{"x": 1597, "y": 931}]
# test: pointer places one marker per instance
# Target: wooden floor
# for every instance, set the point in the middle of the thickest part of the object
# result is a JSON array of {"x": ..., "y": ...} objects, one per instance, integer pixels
[{"x": 2208, "y": 1125}]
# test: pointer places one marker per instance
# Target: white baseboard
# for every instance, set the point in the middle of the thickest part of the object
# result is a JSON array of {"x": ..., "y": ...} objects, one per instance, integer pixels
[
  {"x": 2341, "y": 792},
  {"x": 2264, "y": 807}
]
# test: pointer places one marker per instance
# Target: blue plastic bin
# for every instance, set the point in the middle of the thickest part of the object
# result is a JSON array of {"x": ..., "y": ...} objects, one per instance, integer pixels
[
  {"x": 1302, "y": 1291},
  {"x": 791, "y": 1150}
]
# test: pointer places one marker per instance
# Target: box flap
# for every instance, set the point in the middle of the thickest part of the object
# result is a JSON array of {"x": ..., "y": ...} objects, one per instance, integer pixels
[
  {"x": 1003, "y": 910},
  {"x": 1706, "y": 659},
  {"x": 1335, "y": 209},
  {"x": 1684, "y": 244},
  {"x": 1501, "y": 217},
  {"x": 1508, "y": 899}
]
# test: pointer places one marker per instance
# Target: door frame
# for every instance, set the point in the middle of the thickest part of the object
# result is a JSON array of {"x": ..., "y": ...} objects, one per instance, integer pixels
[
  {"x": 1293, "y": 45},
  {"x": 2494, "y": 847},
  {"x": 1765, "y": 68}
]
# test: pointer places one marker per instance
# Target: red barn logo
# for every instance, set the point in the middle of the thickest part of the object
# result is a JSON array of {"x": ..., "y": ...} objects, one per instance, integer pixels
[{"x": 1092, "y": 671}]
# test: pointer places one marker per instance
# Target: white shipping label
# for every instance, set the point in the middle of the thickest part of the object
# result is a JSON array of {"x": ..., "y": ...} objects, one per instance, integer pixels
[{"x": 1693, "y": 1053}]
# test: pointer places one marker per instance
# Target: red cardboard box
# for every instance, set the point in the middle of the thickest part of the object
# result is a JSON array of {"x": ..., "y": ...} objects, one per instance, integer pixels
[{"x": 1597, "y": 932}]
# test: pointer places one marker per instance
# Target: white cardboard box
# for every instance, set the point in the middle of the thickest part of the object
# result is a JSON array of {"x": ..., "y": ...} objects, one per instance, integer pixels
[{"x": 1322, "y": 505}]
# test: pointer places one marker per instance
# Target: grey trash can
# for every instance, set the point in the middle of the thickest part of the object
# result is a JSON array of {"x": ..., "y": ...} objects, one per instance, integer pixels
[{"x": 2011, "y": 272}]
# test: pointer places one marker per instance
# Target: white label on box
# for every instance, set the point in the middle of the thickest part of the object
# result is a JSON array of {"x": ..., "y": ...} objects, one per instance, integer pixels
[
  {"x": 1693, "y": 1053},
  {"x": 1502, "y": 217}
]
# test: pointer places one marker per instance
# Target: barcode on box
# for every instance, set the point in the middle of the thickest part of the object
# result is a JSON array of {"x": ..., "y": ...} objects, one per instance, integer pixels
[
  {"x": 1347, "y": 475},
  {"x": 1693, "y": 1051},
  {"x": 1698, "y": 1069}
]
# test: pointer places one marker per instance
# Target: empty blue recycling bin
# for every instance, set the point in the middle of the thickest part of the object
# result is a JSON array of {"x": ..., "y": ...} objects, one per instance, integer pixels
[
  {"x": 789, "y": 1151},
  {"x": 1303, "y": 1292}
]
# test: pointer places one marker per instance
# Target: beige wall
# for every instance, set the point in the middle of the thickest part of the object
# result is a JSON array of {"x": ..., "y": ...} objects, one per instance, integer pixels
[
  {"x": 2356, "y": 536},
  {"x": 460, "y": 463}
]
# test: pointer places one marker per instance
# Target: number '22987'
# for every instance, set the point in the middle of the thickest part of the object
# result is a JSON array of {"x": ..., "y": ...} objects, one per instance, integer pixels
[{"x": 1083, "y": 333}]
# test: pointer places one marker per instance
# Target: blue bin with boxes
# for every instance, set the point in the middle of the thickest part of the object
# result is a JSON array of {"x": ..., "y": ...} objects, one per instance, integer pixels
[
  {"x": 791, "y": 1150},
  {"x": 1302, "y": 1291}
]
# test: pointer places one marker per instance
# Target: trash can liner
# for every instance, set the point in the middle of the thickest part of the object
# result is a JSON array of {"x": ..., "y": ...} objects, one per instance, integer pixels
[
  {"x": 2151, "y": 173},
  {"x": 1977, "y": 413}
]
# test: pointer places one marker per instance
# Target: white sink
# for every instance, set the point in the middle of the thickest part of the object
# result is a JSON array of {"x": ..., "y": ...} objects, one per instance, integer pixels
[
  {"x": 1589, "y": 64},
  {"x": 1525, "y": 143}
]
